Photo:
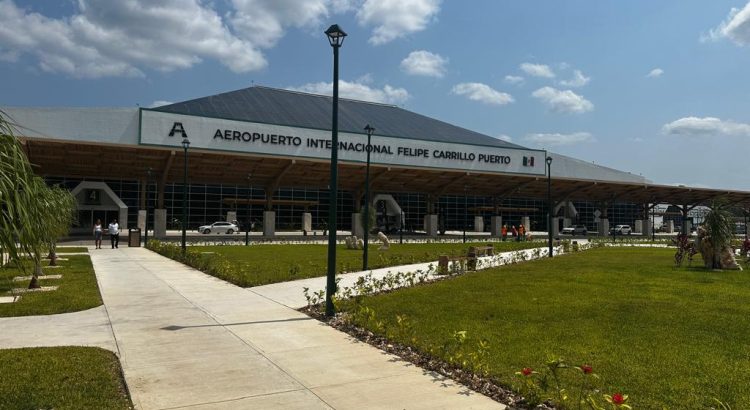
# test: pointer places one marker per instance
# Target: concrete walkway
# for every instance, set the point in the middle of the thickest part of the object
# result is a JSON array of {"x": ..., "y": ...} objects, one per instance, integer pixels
[
  {"x": 291, "y": 294},
  {"x": 87, "y": 328},
  {"x": 189, "y": 340}
]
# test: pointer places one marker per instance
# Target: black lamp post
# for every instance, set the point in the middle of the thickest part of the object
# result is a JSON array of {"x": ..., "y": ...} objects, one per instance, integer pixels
[
  {"x": 336, "y": 38},
  {"x": 369, "y": 131},
  {"x": 549, "y": 204},
  {"x": 249, "y": 208},
  {"x": 185, "y": 146},
  {"x": 148, "y": 212},
  {"x": 401, "y": 227},
  {"x": 466, "y": 210},
  {"x": 653, "y": 222}
]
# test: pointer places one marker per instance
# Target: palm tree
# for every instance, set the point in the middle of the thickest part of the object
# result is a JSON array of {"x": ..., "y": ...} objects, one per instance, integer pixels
[
  {"x": 33, "y": 215},
  {"x": 61, "y": 220},
  {"x": 35, "y": 228},
  {"x": 17, "y": 198},
  {"x": 718, "y": 231}
]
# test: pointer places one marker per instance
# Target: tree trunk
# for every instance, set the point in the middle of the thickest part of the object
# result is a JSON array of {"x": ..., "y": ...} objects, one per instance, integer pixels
[
  {"x": 34, "y": 284},
  {"x": 717, "y": 260},
  {"x": 52, "y": 255}
]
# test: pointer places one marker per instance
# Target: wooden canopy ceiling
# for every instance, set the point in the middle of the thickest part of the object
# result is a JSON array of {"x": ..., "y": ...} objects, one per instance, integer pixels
[{"x": 74, "y": 160}]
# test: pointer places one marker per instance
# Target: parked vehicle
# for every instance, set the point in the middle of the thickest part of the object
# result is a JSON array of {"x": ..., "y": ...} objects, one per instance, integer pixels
[
  {"x": 219, "y": 227},
  {"x": 575, "y": 230},
  {"x": 622, "y": 230}
]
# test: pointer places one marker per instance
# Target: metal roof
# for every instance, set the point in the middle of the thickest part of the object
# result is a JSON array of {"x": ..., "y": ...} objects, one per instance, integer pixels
[
  {"x": 573, "y": 168},
  {"x": 297, "y": 109}
]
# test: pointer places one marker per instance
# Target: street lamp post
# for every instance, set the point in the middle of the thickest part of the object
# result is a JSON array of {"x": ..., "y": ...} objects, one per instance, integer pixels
[
  {"x": 185, "y": 146},
  {"x": 336, "y": 38},
  {"x": 401, "y": 227},
  {"x": 148, "y": 186},
  {"x": 249, "y": 208},
  {"x": 549, "y": 204},
  {"x": 466, "y": 210},
  {"x": 369, "y": 131},
  {"x": 653, "y": 222}
]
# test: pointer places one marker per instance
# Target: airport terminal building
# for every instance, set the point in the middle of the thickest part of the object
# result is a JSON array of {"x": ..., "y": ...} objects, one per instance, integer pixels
[{"x": 263, "y": 154}]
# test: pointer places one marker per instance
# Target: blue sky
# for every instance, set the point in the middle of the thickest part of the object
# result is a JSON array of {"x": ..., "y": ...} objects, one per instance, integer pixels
[{"x": 656, "y": 88}]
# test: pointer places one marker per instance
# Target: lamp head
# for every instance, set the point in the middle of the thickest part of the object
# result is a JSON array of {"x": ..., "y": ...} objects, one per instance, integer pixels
[
  {"x": 369, "y": 129},
  {"x": 185, "y": 143},
  {"x": 335, "y": 35},
  {"x": 549, "y": 160}
]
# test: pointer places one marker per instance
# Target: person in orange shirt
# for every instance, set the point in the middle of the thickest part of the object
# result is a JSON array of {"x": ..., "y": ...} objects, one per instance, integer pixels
[{"x": 504, "y": 232}]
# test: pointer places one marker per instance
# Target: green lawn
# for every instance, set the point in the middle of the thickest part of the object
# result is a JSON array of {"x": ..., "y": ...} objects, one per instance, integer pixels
[
  {"x": 77, "y": 290},
  {"x": 61, "y": 378},
  {"x": 263, "y": 264},
  {"x": 71, "y": 249},
  {"x": 665, "y": 336}
]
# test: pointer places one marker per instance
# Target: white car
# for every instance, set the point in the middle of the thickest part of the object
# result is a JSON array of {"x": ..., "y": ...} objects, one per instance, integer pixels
[
  {"x": 622, "y": 230},
  {"x": 574, "y": 230},
  {"x": 219, "y": 227}
]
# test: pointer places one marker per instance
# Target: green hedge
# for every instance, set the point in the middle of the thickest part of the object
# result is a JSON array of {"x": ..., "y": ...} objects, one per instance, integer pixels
[{"x": 211, "y": 264}]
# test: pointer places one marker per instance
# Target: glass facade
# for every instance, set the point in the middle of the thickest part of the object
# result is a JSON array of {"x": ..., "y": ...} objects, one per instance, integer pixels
[{"x": 208, "y": 203}]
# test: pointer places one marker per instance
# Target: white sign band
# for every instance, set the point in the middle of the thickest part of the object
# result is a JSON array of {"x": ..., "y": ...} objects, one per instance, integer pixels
[{"x": 167, "y": 129}]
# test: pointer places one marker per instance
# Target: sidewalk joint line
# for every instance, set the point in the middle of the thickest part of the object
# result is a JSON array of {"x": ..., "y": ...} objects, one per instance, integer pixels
[
  {"x": 209, "y": 314},
  {"x": 187, "y": 406}
]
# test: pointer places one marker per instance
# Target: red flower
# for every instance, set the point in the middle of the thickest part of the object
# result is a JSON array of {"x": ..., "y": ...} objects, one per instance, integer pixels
[
  {"x": 526, "y": 371},
  {"x": 618, "y": 399},
  {"x": 587, "y": 369}
]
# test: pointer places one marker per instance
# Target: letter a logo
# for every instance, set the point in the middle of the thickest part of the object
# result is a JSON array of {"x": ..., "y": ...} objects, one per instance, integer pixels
[{"x": 178, "y": 128}]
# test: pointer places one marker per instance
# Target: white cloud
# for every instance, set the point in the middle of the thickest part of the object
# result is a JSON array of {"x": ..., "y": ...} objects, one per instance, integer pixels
[
  {"x": 656, "y": 72},
  {"x": 513, "y": 79},
  {"x": 563, "y": 101},
  {"x": 578, "y": 80},
  {"x": 159, "y": 103},
  {"x": 482, "y": 93},
  {"x": 424, "y": 63},
  {"x": 557, "y": 139},
  {"x": 396, "y": 18},
  {"x": 358, "y": 91},
  {"x": 105, "y": 38},
  {"x": 537, "y": 70},
  {"x": 736, "y": 27},
  {"x": 506, "y": 138},
  {"x": 263, "y": 22},
  {"x": 706, "y": 126}
]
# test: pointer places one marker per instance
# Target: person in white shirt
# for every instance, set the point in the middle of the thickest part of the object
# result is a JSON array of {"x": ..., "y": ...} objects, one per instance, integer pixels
[
  {"x": 98, "y": 234},
  {"x": 114, "y": 233}
]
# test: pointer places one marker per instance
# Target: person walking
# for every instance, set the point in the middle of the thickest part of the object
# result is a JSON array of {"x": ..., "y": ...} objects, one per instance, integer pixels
[
  {"x": 114, "y": 233},
  {"x": 521, "y": 232},
  {"x": 504, "y": 232},
  {"x": 98, "y": 234},
  {"x": 514, "y": 232}
]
